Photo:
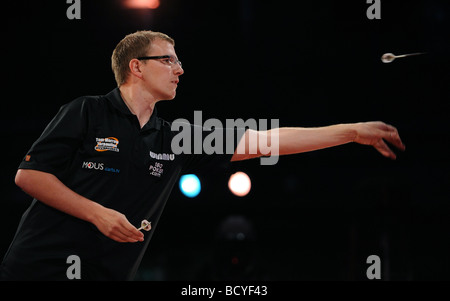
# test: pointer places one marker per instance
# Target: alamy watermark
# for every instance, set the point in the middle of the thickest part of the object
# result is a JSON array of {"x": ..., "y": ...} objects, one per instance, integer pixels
[
  {"x": 74, "y": 10},
  {"x": 374, "y": 270},
  {"x": 221, "y": 138},
  {"x": 74, "y": 270},
  {"x": 374, "y": 10}
]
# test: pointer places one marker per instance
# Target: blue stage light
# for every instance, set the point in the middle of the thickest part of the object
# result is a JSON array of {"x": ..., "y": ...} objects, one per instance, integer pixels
[{"x": 190, "y": 185}]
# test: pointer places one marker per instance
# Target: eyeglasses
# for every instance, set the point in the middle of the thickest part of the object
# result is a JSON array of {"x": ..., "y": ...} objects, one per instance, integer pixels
[{"x": 166, "y": 59}]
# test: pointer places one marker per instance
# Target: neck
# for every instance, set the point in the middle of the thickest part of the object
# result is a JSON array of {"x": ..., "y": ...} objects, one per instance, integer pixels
[{"x": 139, "y": 102}]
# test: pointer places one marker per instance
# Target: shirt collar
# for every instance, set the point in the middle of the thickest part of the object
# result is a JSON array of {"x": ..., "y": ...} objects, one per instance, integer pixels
[{"x": 117, "y": 101}]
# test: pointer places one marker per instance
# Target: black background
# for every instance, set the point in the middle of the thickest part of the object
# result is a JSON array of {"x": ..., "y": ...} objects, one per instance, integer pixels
[{"x": 312, "y": 216}]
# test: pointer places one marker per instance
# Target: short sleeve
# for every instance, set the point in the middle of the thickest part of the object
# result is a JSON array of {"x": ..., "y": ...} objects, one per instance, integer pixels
[
  {"x": 208, "y": 147},
  {"x": 54, "y": 149}
]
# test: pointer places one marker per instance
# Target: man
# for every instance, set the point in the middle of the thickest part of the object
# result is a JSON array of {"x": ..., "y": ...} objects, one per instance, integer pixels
[{"x": 89, "y": 170}]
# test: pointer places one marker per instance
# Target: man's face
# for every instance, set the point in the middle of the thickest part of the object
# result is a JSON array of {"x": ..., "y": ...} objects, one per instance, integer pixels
[{"x": 160, "y": 77}]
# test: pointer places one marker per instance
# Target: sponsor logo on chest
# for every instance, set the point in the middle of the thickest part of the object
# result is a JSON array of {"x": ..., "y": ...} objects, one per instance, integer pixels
[
  {"x": 99, "y": 166},
  {"x": 157, "y": 169},
  {"x": 107, "y": 144},
  {"x": 163, "y": 156}
]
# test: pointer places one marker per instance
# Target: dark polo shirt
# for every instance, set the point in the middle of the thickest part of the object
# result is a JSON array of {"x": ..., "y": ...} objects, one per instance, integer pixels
[{"x": 97, "y": 148}]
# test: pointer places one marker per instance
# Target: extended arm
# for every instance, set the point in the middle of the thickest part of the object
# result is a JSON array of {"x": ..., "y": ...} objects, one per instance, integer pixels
[{"x": 295, "y": 140}]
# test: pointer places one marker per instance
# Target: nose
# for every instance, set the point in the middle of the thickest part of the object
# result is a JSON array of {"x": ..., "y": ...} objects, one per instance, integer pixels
[{"x": 178, "y": 70}]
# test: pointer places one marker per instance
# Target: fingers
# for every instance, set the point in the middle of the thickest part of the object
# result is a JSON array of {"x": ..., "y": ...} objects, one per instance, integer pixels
[
  {"x": 391, "y": 135},
  {"x": 386, "y": 133},
  {"x": 127, "y": 232},
  {"x": 384, "y": 149},
  {"x": 377, "y": 133},
  {"x": 116, "y": 226},
  {"x": 120, "y": 238},
  {"x": 125, "y": 235}
]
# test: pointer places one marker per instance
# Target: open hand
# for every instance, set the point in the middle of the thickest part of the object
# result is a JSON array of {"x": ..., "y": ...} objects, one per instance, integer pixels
[{"x": 377, "y": 133}]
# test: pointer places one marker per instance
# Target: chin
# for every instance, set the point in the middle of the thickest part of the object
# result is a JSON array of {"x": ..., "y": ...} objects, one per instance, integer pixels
[
  {"x": 172, "y": 96},
  {"x": 168, "y": 98}
]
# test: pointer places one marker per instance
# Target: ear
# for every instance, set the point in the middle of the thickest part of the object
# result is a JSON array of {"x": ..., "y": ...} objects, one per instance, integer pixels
[{"x": 135, "y": 68}]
